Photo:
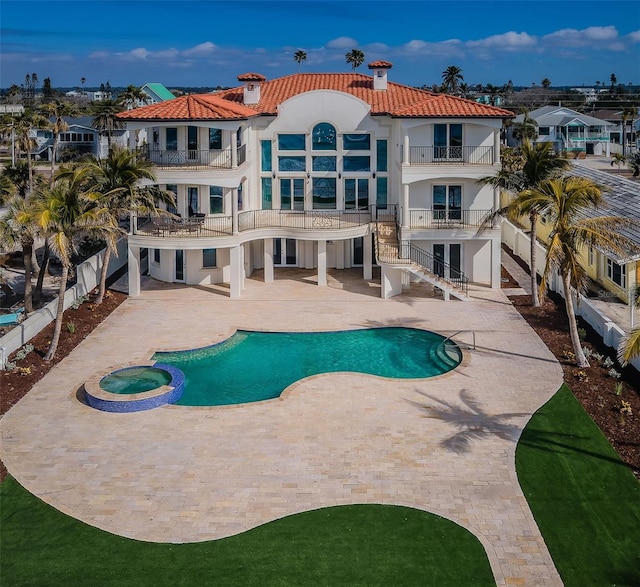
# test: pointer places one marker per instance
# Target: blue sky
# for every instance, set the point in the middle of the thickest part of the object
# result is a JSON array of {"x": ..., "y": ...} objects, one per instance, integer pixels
[{"x": 208, "y": 43}]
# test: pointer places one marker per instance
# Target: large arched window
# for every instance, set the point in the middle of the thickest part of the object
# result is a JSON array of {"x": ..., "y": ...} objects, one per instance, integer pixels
[{"x": 324, "y": 137}]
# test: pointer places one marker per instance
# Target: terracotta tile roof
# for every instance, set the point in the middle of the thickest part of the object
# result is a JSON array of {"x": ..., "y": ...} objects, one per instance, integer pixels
[
  {"x": 396, "y": 101},
  {"x": 380, "y": 65},
  {"x": 251, "y": 77},
  {"x": 192, "y": 107}
]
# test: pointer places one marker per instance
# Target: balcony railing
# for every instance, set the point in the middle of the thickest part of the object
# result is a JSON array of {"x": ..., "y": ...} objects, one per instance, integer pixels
[
  {"x": 451, "y": 155},
  {"x": 202, "y": 227},
  {"x": 198, "y": 159},
  {"x": 446, "y": 218},
  {"x": 307, "y": 219}
]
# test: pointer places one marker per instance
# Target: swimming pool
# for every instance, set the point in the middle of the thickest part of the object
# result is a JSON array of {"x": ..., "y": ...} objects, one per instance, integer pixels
[{"x": 254, "y": 366}]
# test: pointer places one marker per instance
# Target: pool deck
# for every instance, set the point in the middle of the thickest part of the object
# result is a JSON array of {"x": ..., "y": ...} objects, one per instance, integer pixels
[{"x": 189, "y": 474}]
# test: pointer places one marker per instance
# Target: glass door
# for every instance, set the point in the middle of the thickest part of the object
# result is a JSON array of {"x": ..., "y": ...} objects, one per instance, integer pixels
[
  {"x": 192, "y": 142},
  {"x": 447, "y": 260},
  {"x": 292, "y": 194},
  {"x": 285, "y": 252},
  {"x": 179, "y": 273}
]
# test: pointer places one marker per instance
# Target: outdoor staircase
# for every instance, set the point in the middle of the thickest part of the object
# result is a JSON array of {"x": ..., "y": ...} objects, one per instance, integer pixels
[{"x": 389, "y": 251}]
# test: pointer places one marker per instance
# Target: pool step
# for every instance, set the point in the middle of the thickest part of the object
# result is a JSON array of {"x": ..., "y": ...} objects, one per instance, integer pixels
[{"x": 446, "y": 356}]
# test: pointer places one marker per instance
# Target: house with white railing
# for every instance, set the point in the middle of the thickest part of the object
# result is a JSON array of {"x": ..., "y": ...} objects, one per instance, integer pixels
[
  {"x": 570, "y": 132},
  {"x": 321, "y": 171}
]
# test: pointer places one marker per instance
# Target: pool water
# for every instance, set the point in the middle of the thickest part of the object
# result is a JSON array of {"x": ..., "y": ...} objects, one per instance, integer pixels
[
  {"x": 254, "y": 366},
  {"x": 135, "y": 380}
]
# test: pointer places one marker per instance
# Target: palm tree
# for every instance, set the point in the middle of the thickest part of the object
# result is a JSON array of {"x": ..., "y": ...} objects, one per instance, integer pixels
[
  {"x": 104, "y": 117},
  {"x": 58, "y": 110},
  {"x": 24, "y": 125},
  {"x": 546, "y": 83},
  {"x": 451, "y": 79},
  {"x": 299, "y": 56},
  {"x": 565, "y": 201},
  {"x": 18, "y": 229},
  {"x": 618, "y": 159},
  {"x": 628, "y": 113},
  {"x": 629, "y": 347},
  {"x": 613, "y": 80},
  {"x": 113, "y": 183},
  {"x": 525, "y": 130},
  {"x": 131, "y": 97},
  {"x": 64, "y": 214},
  {"x": 538, "y": 163},
  {"x": 355, "y": 58}
]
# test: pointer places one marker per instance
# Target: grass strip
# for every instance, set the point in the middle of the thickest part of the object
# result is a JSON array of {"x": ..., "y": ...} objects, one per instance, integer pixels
[
  {"x": 346, "y": 545},
  {"x": 585, "y": 500}
]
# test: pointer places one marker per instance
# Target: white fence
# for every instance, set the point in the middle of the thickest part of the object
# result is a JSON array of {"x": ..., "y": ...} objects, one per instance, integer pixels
[
  {"x": 88, "y": 277},
  {"x": 519, "y": 242}
]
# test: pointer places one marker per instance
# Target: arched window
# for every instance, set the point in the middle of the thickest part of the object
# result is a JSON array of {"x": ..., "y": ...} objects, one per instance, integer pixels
[{"x": 324, "y": 137}]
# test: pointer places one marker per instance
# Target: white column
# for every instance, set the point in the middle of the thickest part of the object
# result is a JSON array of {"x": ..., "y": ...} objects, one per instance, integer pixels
[
  {"x": 234, "y": 151},
  {"x": 322, "y": 262},
  {"x": 340, "y": 254},
  {"x": 134, "y": 271},
  {"x": 268, "y": 260},
  {"x": 405, "y": 206},
  {"x": 236, "y": 271},
  {"x": 367, "y": 256},
  {"x": 496, "y": 257},
  {"x": 391, "y": 282},
  {"x": 496, "y": 147},
  {"x": 234, "y": 211},
  {"x": 405, "y": 150}
]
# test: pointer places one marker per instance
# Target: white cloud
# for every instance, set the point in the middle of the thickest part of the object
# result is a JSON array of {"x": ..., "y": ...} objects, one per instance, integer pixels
[
  {"x": 201, "y": 50},
  {"x": 581, "y": 38},
  {"x": 342, "y": 43},
  {"x": 634, "y": 36},
  {"x": 510, "y": 40},
  {"x": 140, "y": 53}
]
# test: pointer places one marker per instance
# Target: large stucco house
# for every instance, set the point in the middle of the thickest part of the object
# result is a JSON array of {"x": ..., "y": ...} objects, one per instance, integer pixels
[{"x": 321, "y": 171}]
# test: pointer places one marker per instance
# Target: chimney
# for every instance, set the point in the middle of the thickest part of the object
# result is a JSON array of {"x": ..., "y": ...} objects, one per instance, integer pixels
[
  {"x": 251, "y": 87},
  {"x": 380, "y": 69}
]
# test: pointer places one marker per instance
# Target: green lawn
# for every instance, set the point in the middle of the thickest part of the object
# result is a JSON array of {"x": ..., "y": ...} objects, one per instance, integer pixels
[
  {"x": 584, "y": 499},
  {"x": 349, "y": 545}
]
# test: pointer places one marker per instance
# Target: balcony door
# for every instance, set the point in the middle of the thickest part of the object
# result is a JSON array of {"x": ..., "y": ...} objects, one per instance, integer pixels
[
  {"x": 447, "y": 202},
  {"x": 447, "y": 141},
  {"x": 192, "y": 143},
  {"x": 180, "y": 266},
  {"x": 291, "y": 194}
]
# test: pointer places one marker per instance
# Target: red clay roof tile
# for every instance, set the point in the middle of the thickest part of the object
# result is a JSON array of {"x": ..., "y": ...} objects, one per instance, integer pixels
[
  {"x": 380, "y": 65},
  {"x": 396, "y": 101},
  {"x": 251, "y": 77}
]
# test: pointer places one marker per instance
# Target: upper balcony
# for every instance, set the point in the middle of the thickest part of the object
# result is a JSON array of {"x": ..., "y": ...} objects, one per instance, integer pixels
[
  {"x": 193, "y": 160},
  {"x": 463, "y": 155}
]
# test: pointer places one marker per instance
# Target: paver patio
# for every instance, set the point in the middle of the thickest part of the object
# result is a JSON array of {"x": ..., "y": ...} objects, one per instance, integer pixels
[{"x": 188, "y": 474}]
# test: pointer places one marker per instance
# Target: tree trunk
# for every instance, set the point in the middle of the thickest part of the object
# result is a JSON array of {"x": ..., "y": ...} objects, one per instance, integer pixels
[
  {"x": 37, "y": 294},
  {"x": 57, "y": 329},
  {"x": 27, "y": 249},
  {"x": 581, "y": 360},
  {"x": 535, "y": 299},
  {"x": 54, "y": 152},
  {"x": 103, "y": 275}
]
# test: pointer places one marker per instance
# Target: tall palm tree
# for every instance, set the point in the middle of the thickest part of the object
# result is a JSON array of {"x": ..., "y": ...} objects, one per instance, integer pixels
[
  {"x": 24, "y": 125},
  {"x": 299, "y": 56},
  {"x": 104, "y": 117},
  {"x": 451, "y": 79},
  {"x": 537, "y": 163},
  {"x": 131, "y": 97},
  {"x": 18, "y": 229},
  {"x": 628, "y": 113},
  {"x": 114, "y": 185},
  {"x": 629, "y": 347},
  {"x": 565, "y": 201},
  {"x": 355, "y": 58},
  {"x": 64, "y": 214},
  {"x": 526, "y": 130},
  {"x": 58, "y": 110}
]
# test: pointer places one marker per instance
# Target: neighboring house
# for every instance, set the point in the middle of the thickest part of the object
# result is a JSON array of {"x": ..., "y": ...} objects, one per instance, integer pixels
[
  {"x": 620, "y": 128},
  {"x": 590, "y": 94},
  {"x": 322, "y": 171},
  {"x": 568, "y": 130},
  {"x": 79, "y": 139},
  {"x": 157, "y": 93},
  {"x": 616, "y": 276}
]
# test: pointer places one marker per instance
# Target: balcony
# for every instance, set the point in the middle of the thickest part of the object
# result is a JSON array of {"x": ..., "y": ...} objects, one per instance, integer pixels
[
  {"x": 214, "y": 226},
  {"x": 195, "y": 159},
  {"x": 430, "y": 219},
  {"x": 451, "y": 155}
]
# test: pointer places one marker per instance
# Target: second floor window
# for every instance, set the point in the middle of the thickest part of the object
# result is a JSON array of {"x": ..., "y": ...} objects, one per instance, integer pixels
[
  {"x": 172, "y": 139},
  {"x": 215, "y": 139}
]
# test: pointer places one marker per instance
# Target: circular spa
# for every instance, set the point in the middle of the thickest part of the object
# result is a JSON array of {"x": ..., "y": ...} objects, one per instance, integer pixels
[{"x": 136, "y": 388}]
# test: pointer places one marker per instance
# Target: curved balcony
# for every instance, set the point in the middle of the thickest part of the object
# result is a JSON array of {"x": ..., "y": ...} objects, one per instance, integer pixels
[{"x": 195, "y": 159}]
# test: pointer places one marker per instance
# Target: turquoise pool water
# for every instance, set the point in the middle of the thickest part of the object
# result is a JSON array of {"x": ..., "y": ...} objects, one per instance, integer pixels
[
  {"x": 254, "y": 366},
  {"x": 135, "y": 380}
]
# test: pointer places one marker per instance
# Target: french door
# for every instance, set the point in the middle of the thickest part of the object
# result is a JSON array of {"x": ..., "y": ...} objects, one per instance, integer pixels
[
  {"x": 285, "y": 252},
  {"x": 179, "y": 268},
  {"x": 291, "y": 194},
  {"x": 447, "y": 260}
]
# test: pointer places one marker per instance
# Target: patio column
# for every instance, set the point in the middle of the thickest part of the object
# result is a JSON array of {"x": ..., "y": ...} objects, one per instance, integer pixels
[
  {"x": 236, "y": 271},
  {"x": 133, "y": 254},
  {"x": 496, "y": 259},
  {"x": 496, "y": 147},
  {"x": 322, "y": 262},
  {"x": 367, "y": 256},
  {"x": 268, "y": 260},
  {"x": 405, "y": 206},
  {"x": 234, "y": 211},
  {"x": 234, "y": 151},
  {"x": 405, "y": 151}
]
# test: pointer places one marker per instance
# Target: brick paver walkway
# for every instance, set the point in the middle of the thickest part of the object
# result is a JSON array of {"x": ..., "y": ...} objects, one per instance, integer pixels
[{"x": 179, "y": 474}]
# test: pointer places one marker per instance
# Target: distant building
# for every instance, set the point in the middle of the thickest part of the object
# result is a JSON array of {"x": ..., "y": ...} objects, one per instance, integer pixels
[{"x": 157, "y": 93}]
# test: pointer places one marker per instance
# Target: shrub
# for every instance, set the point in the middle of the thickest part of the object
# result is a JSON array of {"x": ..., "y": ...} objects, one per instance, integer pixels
[{"x": 614, "y": 374}]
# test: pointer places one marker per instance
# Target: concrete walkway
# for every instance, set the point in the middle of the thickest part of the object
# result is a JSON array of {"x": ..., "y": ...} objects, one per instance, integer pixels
[{"x": 178, "y": 474}]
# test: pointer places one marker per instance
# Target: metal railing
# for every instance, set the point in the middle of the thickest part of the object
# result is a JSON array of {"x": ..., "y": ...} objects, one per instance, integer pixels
[
  {"x": 190, "y": 159},
  {"x": 407, "y": 253},
  {"x": 209, "y": 226},
  {"x": 451, "y": 218},
  {"x": 478, "y": 155},
  {"x": 303, "y": 219}
]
